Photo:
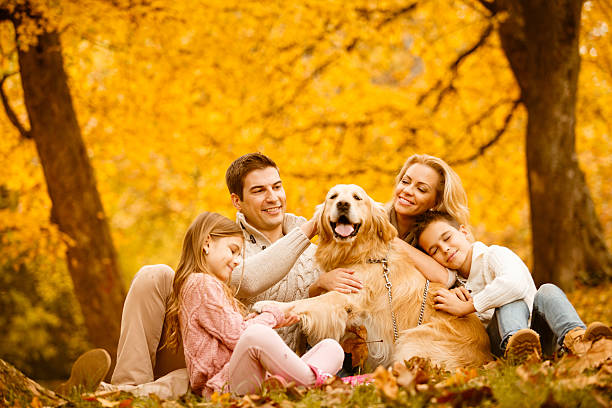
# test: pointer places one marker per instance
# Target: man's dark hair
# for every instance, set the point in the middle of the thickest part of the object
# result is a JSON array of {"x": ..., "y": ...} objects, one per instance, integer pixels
[
  {"x": 241, "y": 167},
  {"x": 422, "y": 221}
]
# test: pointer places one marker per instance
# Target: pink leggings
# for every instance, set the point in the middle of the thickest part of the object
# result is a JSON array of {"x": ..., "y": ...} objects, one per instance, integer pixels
[{"x": 260, "y": 350}]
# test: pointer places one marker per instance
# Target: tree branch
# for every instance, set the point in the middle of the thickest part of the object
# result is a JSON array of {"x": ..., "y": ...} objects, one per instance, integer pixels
[
  {"x": 481, "y": 150},
  {"x": 489, "y": 5},
  {"x": 5, "y": 14},
  {"x": 454, "y": 67},
  {"x": 486, "y": 113},
  {"x": 9, "y": 111}
]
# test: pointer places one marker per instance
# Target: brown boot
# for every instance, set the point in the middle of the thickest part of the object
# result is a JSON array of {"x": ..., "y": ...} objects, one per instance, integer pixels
[
  {"x": 596, "y": 331},
  {"x": 578, "y": 340},
  {"x": 523, "y": 344},
  {"x": 87, "y": 372},
  {"x": 574, "y": 341}
]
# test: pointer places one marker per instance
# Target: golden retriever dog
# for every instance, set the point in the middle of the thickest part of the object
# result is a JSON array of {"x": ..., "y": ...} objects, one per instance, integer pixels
[{"x": 355, "y": 233}]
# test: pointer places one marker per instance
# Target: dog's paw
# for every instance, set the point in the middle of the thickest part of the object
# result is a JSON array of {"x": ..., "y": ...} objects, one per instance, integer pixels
[{"x": 263, "y": 305}]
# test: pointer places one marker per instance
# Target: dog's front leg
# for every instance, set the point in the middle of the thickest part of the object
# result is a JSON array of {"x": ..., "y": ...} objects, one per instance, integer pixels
[
  {"x": 262, "y": 305},
  {"x": 322, "y": 317}
]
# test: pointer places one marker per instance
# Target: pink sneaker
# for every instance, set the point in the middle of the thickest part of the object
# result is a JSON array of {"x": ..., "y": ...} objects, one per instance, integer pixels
[
  {"x": 363, "y": 379},
  {"x": 274, "y": 383},
  {"x": 320, "y": 377}
]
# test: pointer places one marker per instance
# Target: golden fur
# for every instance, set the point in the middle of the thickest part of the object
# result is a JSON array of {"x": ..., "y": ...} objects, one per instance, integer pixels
[{"x": 447, "y": 340}]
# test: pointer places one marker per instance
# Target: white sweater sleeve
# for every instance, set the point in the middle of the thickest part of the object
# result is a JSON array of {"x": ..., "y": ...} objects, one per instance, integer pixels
[
  {"x": 452, "y": 278},
  {"x": 511, "y": 280},
  {"x": 264, "y": 269}
]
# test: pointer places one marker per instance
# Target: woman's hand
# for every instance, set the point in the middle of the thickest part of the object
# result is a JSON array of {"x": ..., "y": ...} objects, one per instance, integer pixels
[
  {"x": 450, "y": 302},
  {"x": 341, "y": 280}
]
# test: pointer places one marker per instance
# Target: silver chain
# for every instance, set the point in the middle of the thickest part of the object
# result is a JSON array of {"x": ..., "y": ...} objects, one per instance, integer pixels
[
  {"x": 389, "y": 287},
  {"x": 424, "y": 301}
]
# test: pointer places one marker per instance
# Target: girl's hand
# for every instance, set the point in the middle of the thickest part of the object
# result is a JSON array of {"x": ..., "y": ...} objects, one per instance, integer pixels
[
  {"x": 289, "y": 320},
  {"x": 449, "y": 302}
]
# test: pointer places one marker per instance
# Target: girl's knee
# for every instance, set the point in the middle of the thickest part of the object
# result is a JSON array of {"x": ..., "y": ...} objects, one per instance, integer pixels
[{"x": 334, "y": 351}]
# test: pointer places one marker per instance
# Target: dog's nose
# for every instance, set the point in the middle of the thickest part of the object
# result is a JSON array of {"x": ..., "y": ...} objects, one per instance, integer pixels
[{"x": 343, "y": 205}]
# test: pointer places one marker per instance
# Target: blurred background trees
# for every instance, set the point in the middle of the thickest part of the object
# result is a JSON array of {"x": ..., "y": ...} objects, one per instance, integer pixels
[{"x": 168, "y": 93}]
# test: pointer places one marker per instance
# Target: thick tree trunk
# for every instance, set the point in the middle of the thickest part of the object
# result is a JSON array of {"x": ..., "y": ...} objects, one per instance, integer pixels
[
  {"x": 17, "y": 390},
  {"x": 77, "y": 208},
  {"x": 540, "y": 39}
]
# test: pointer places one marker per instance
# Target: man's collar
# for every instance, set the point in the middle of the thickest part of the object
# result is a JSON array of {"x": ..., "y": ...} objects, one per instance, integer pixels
[{"x": 290, "y": 222}]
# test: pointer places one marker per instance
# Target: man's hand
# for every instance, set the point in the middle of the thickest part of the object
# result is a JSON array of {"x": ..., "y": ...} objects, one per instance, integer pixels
[
  {"x": 450, "y": 302},
  {"x": 341, "y": 280},
  {"x": 310, "y": 228}
]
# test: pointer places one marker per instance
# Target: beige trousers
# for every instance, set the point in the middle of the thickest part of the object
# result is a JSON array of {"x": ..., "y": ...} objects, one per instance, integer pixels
[{"x": 141, "y": 366}]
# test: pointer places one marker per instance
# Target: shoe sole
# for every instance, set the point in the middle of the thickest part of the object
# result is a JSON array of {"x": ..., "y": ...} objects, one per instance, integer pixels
[
  {"x": 522, "y": 345},
  {"x": 87, "y": 372},
  {"x": 596, "y": 331}
]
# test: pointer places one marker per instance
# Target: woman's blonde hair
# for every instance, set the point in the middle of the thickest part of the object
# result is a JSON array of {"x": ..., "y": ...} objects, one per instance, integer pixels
[
  {"x": 193, "y": 260},
  {"x": 450, "y": 195}
]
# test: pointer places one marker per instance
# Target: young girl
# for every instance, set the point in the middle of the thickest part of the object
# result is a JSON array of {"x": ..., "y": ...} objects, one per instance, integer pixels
[{"x": 224, "y": 350}]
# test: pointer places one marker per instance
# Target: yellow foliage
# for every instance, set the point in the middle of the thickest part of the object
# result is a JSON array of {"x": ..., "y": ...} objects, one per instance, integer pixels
[{"x": 168, "y": 93}]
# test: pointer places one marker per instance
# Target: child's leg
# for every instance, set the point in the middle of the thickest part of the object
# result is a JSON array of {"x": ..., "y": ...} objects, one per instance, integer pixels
[
  {"x": 327, "y": 356},
  {"x": 553, "y": 316},
  {"x": 261, "y": 349},
  {"x": 507, "y": 320}
]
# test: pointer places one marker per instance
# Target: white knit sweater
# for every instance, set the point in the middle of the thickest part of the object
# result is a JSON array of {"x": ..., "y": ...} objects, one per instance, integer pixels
[
  {"x": 283, "y": 272},
  {"x": 497, "y": 277}
]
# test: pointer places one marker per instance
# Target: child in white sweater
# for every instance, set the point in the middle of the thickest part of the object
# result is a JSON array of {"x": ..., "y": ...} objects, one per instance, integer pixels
[{"x": 498, "y": 286}]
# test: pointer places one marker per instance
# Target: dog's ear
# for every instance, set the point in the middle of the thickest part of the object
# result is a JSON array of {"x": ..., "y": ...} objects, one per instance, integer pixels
[
  {"x": 322, "y": 226},
  {"x": 381, "y": 224}
]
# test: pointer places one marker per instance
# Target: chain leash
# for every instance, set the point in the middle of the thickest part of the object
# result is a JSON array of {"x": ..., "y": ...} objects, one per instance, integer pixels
[
  {"x": 385, "y": 264},
  {"x": 389, "y": 287},
  {"x": 423, "y": 303}
]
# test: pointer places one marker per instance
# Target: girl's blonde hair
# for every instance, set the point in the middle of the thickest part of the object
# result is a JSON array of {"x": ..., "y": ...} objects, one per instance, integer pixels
[
  {"x": 450, "y": 195},
  {"x": 193, "y": 260}
]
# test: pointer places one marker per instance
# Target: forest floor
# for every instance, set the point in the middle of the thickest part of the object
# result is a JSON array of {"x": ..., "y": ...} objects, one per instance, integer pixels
[{"x": 569, "y": 381}]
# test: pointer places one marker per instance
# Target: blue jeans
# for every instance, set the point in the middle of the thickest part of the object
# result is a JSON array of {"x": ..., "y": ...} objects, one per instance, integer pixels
[{"x": 553, "y": 316}]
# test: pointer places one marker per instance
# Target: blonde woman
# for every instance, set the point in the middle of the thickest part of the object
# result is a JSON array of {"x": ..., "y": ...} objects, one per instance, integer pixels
[
  {"x": 224, "y": 350},
  {"x": 426, "y": 183}
]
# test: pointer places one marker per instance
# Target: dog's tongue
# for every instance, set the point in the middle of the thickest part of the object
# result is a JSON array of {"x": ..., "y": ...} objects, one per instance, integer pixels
[{"x": 344, "y": 229}]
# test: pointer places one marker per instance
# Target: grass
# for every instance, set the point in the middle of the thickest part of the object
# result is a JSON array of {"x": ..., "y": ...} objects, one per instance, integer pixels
[{"x": 551, "y": 384}]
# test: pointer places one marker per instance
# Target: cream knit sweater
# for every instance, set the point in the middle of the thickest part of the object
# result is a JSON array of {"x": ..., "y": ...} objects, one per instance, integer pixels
[{"x": 283, "y": 272}]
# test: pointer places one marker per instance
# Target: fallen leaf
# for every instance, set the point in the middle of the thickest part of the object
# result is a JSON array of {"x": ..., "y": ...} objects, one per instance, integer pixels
[
  {"x": 35, "y": 403},
  {"x": 108, "y": 403},
  {"x": 127, "y": 403},
  {"x": 597, "y": 355},
  {"x": 385, "y": 382},
  {"x": 355, "y": 343}
]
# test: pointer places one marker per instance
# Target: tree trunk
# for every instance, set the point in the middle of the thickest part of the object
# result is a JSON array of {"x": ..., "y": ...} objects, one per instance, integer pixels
[
  {"x": 19, "y": 391},
  {"x": 77, "y": 208},
  {"x": 540, "y": 40}
]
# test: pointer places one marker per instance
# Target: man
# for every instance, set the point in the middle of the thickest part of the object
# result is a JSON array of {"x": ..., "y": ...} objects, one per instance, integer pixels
[{"x": 279, "y": 265}]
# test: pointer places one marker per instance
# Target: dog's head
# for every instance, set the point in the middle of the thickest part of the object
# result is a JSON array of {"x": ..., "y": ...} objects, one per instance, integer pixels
[{"x": 348, "y": 214}]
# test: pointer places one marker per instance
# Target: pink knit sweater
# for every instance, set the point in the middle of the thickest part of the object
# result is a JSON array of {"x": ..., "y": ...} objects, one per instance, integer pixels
[{"x": 211, "y": 327}]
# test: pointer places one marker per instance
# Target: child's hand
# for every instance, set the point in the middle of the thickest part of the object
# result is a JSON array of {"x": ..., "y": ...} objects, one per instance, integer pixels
[
  {"x": 449, "y": 302},
  {"x": 462, "y": 293},
  {"x": 289, "y": 319}
]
